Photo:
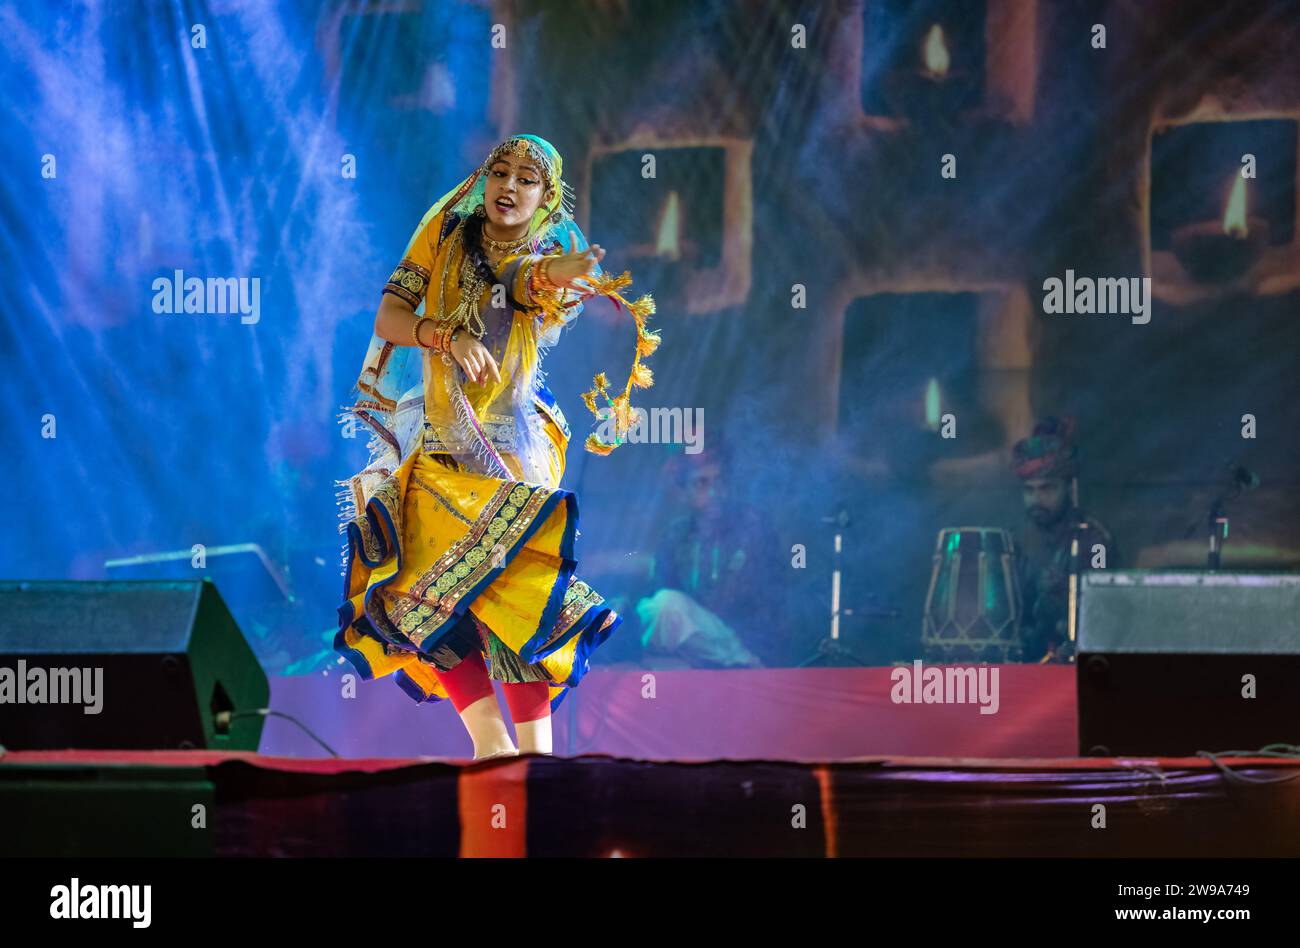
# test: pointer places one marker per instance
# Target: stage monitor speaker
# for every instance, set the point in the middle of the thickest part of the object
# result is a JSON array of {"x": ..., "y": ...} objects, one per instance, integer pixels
[
  {"x": 1172, "y": 663},
  {"x": 125, "y": 665}
]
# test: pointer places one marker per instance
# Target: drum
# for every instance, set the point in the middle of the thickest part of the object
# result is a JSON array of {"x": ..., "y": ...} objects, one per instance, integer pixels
[{"x": 972, "y": 609}]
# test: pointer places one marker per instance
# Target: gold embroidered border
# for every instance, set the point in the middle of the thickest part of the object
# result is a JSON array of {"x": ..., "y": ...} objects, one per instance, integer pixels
[
  {"x": 409, "y": 282},
  {"x": 578, "y": 598},
  {"x": 507, "y": 515},
  {"x": 500, "y": 429},
  {"x": 472, "y": 540},
  {"x": 386, "y": 494},
  {"x": 516, "y": 507}
]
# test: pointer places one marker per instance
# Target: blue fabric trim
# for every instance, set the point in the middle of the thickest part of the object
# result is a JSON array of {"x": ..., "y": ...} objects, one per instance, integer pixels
[
  {"x": 358, "y": 546},
  {"x": 575, "y": 629},
  {"x": 449, "y": 221},
  {"x": 396, "y": 572},
  {"x": 544, "y": 395},
  {"x": 593, "y": 636},
  {"x": 546, "y": 399},
  {"x": 357, "y": 659},
  {"x": 555, "y": 601},
  {"x": 592, "y": 639},
  {"x": 346, "y": 613},
  {"x": 407, "y": 684},
  {"x": 347, "y": 579}
]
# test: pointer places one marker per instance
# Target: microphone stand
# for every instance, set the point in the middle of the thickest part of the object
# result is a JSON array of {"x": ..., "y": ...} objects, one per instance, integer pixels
[
  {"x": 1218, "y": 529},
  {"x": 830, "y": 648},
  {"x": 1077, "y": 542},
  {"x": 1217, "y": 519}
]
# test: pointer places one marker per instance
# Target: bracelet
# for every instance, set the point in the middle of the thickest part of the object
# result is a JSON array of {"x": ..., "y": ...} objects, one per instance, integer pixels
[
  {"x": 415, "y": 331},
  {"x": 544, "y": 275},
  {"x": 535, "y": 285},
  {"x": 446, "y": 336},
  {"x": 530, "y": 280}
]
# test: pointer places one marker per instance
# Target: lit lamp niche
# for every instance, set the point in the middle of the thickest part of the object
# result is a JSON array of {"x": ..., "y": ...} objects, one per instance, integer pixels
[
  {"x": 687, "y": 233},
  {"x": 929, "y": 62},
  {"x": 1213, "y": 230},
  {"x": 909, "y": 359},
  {"x": 934, "y": 55},
  {"x": 1217, "y": 251}
]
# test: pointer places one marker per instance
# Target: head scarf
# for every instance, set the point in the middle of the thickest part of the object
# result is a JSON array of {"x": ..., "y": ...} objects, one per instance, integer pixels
[{"x": 1050, "y": 451}]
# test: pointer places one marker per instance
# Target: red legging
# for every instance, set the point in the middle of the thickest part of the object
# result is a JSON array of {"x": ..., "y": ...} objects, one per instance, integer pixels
[{"x": 469, "y": 682}]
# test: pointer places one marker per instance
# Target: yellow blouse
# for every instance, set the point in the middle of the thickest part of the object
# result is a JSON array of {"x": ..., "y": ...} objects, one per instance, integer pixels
[{"x": 429, "y": 279}]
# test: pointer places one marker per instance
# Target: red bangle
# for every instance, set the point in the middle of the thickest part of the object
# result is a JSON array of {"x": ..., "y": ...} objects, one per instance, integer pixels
[{"x": 415, "y": 331}]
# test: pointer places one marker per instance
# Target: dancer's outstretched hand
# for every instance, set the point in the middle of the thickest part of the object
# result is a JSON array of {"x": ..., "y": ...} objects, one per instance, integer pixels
[
  {"x": 474, "y": 358},
  {"x": 572, "y": 269}
]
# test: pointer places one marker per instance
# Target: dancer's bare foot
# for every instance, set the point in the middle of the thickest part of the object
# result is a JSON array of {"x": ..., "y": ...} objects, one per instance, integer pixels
[{"x": 505, "y": 752}]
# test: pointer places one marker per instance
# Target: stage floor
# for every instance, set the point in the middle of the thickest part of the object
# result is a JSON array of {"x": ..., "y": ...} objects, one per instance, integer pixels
[
  {"x": 80, "y": 803},
  {"x": 784, "y": 762}
]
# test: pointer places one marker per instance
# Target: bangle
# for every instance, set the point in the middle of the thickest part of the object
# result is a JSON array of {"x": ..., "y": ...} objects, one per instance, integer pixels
[
  {"x": 446, "y": 334},
  {"x": 535, "y": 285},
  {"x": 415, "y": 331},
  {"x": 544, "y": 275}
]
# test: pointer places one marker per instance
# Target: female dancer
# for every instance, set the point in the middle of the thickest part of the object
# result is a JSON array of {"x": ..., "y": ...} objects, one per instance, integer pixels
[{"x": 460, "y": 543}]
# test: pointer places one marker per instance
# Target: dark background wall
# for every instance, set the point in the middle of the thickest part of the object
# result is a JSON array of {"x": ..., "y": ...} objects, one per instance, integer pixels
[{"x": 813, "y": 164}]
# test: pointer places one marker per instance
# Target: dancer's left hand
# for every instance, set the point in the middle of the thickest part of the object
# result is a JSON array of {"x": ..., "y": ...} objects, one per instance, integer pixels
[{"x": 572, "y": 269}]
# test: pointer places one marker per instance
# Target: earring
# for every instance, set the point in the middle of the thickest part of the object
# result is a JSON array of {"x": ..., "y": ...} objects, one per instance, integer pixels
[{"x": 481, "y": 211}]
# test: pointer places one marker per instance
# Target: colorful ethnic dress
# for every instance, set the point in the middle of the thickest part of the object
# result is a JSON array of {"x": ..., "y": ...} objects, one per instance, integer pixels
[{"x": 458, "y": 535}]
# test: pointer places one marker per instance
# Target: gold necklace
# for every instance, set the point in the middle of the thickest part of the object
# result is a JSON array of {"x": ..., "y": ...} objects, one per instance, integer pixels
[{"x": 503, "y": 246}]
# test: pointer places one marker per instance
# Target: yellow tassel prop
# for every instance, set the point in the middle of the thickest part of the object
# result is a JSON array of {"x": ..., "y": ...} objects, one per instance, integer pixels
[
  {"x": 640, "y": 376},
  {"x": 596, "y": 446}
]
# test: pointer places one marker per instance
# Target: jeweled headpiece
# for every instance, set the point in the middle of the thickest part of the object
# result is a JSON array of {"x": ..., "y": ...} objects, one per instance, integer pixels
[{"x": 528, "y": 147}]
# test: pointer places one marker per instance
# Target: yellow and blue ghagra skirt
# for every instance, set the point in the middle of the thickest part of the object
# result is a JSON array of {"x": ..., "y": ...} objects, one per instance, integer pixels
[{"x": 442, "y": 560}]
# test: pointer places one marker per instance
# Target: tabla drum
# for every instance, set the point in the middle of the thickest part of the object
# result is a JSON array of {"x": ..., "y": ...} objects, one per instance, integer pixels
[{"x": 972, "y": 608}]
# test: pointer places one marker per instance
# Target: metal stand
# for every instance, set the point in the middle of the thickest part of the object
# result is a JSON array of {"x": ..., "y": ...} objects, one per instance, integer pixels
[
  {"x": 1077, "y": 543},
  {"x": 1218, "y": 524},
  {"x": 830, "y": 649},
  {"x": 1239, "y": 479}
]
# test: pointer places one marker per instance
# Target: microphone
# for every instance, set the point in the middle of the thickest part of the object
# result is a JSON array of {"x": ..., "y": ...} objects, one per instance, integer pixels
[{"x": 1240, "y": 478}]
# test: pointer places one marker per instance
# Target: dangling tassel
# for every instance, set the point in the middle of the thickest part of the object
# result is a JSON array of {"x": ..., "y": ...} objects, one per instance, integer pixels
[
  {"x": 639, "y": 375},
  {"x": 553, "y": 305}
]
